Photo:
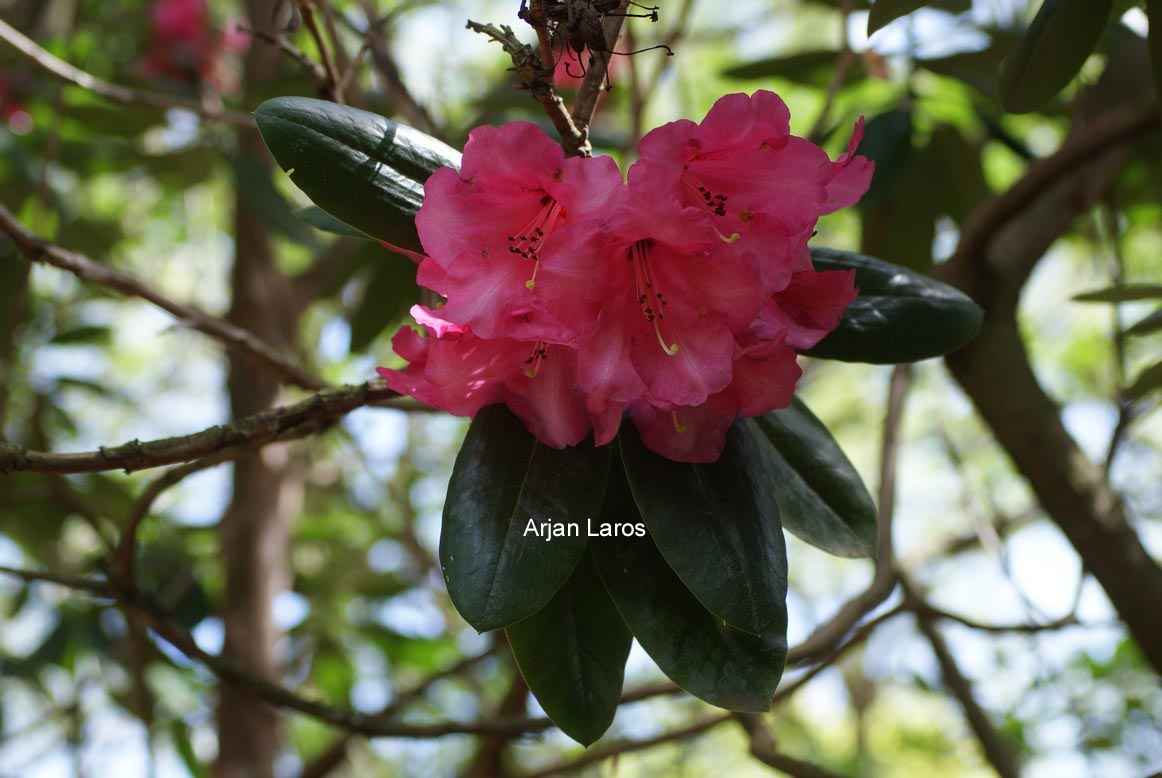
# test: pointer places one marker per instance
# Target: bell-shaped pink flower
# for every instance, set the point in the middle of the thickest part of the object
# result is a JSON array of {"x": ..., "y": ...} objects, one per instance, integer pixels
[
  {"x": 457, "y": 371},
  {"x": 653, "y": 301},
  {"x": 751, "y": 178},
  {"x": 489, "y": 226}
]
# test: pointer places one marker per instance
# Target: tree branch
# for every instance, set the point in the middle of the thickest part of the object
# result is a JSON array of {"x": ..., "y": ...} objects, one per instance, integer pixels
[
  {"x": 594, "y": 83},
  {"x": 829, "y": 634},
  {"x": 595, "y": 755},
  {"x": 289, "y": 422},
  {"x": 996, "y": 750},
  {"x": 1000, "y": 247},
  {"x": 38, "y": 250},
  {"x": 762, "y": 748},
  {"x": 575, "y": 141},
  {"x": 112, "y": 92}
]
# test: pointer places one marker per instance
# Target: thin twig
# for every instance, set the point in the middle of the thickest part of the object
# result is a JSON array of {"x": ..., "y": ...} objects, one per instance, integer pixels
[
  {"x": 112, "y": 92},
  {"x": 313, "y": 69},
  {"x": 762, "y": 747},
  {"x": 142, "y": 607},
  {"x": 829, "y": 634},
  {"x": 847, "y": 58},
  {"x": 930, "y": 611},
  {"x": 331, "y": 79},
  {"x": 594, "y": 83},
  {"x": 289, "y": 422},
  {"x": 127, "y": 545},
  {"x": 336, "y": 753},
  {"x": 94, "y": 586},
  {"x": 998, "y": 752},
  {"x": 595, "y": 755},
  {"x": 38, "y": 250},
  {"x": 574, "y": 139}
]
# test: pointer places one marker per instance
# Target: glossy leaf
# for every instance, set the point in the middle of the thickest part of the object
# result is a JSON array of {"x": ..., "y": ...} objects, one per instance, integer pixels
[
  {"x": 693, "y": 647},
  {"x": 572, "y": 653},
  {"x": 325, "y": 222},
  {"x": 363, "y": 169},
  {"x": 717, "y": 525},
  {"x": 899, "y": 315},
  {"x": 1052, "y": 51},
  {"x": 821, "y": 497},
  {"x": 503, "y": 480}
]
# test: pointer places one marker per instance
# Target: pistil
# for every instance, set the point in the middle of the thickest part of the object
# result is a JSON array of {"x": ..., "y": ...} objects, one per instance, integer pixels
[{"x": 651, "y": 300}]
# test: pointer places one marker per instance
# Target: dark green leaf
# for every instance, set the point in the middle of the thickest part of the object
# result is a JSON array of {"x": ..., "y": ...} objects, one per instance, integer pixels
[
  {"x": 1148, "y": 380},
  {"x": 887, "y": 141},
  {"x": 1151, "y": 323},
  {"x": 810, "y": 68},
  {"x": 978, "y": 69},
  {"x": 572, "y": 653},
  {"x": 1056, "y": 45},
  {"x": 1121, "y": 294},
  {"x": 321, "y": 220},
  {"x": 955, "y": 163},
  {"x": 886, "y": 11},
  {"x": 899, "y": 315},
  {"x": 180, "y": 734},
  {"x": 821, "y": 497},
  {"x": 714, "y": 662},
  {"x": 717, "y": 525},
  {"x": 256, "y": 189},
  {"x": 391, "y": 291},
  {"x": 86, "y": 334},
  {"x": 503, "y": 483},
  {"x": 363, "y": 169}
]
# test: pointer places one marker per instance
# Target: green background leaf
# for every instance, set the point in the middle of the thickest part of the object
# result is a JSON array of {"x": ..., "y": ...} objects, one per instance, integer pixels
[{"x": 1056, "y": 45}]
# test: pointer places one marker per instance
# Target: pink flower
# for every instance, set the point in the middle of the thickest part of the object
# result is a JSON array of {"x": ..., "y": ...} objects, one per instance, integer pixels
[
  {"x": 752, "y": 179},
  {"x": 764, "y": 377},
  {"x": 455, "y": 370},
  {"x": 809, "y": 308},
  {"x": 680, "y": 298},
  {"x": 653, "y": 299},
  {"x": 488, "y": 227}
]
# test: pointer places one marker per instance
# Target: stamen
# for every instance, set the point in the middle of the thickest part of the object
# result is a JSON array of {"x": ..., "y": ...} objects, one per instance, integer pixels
[
  {"x": 715, "y": 204},
  {"x": 647, "y": 296},
  {"x": 527, "y": 243},
  {"x": 678, "y": 426},
  {"x": 533, "y": 363}
]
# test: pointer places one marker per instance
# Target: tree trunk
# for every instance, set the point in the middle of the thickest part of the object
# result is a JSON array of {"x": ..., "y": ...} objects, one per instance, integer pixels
[
  {"x": 266, "y": 495},
  {"x": 995, "y": 371}
]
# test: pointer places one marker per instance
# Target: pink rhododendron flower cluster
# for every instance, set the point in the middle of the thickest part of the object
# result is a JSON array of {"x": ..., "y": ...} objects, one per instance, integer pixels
[
  {"x": 185, "y": 47},
  {"x": 679, "y": 297}
]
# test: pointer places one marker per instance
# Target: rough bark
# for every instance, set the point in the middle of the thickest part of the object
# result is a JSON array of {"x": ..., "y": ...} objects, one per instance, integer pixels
[
  {"x": 255, "y": 526},
  {"x": 996, "y": 373}
]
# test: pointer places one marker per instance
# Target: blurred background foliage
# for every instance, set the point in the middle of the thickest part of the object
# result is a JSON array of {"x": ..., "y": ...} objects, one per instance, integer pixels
[{"x": 86, "y": 691}]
